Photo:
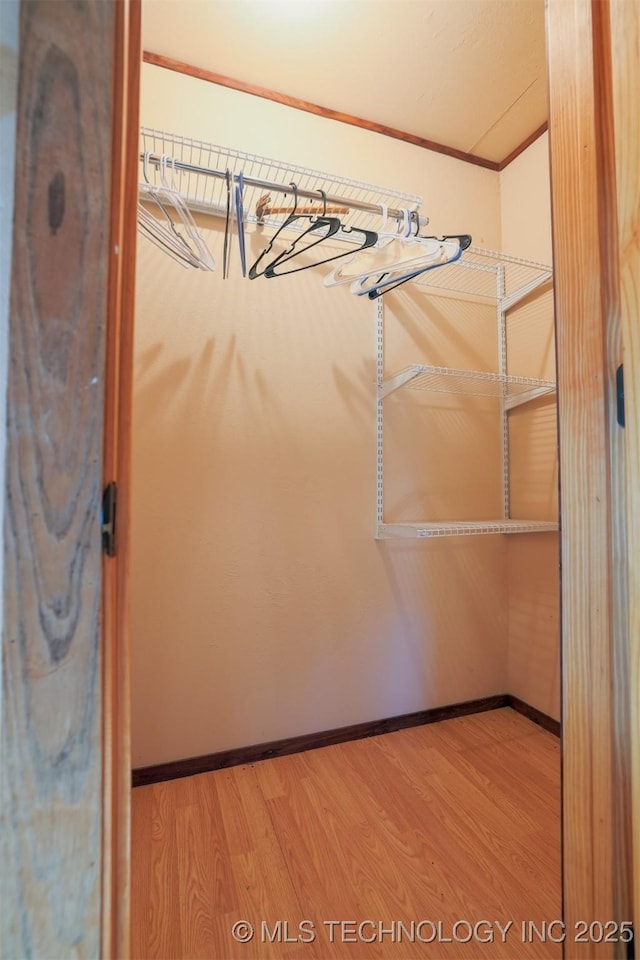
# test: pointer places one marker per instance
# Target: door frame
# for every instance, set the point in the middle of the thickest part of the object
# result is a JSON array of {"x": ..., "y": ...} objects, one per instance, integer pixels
[
  {"x": 599, "y": 503},
  {"x": 594, "y": 311},
  {"x": 65, "y": 774},
  {"x": 116, "y": 468},
  {"x": 597, "y": 644}
]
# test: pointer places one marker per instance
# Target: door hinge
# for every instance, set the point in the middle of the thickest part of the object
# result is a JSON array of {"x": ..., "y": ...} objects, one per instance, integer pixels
[
  {"x": 109, "y": 519},
  {"x": 631, "y": 945},
  {"x": 620, "y": 395}
]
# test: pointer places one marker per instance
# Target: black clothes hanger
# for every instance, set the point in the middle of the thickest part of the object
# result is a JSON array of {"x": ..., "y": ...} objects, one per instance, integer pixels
[
  {"x": 370, "y": 238},
  {"x": 331, "y": 224},
  {"x": 463, "y": 239},
  {"x": 316, "y": 223}
]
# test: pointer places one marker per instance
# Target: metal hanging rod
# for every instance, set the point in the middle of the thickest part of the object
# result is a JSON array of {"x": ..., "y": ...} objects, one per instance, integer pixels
[{"x": 285, "y": 188}]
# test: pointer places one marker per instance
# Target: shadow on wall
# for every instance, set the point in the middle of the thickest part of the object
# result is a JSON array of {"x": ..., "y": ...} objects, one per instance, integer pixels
[{"x": 439, "y": 330}]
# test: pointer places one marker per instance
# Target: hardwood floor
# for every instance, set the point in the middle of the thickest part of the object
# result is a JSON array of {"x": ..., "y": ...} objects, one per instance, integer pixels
[{"x": 412, "y": 842}]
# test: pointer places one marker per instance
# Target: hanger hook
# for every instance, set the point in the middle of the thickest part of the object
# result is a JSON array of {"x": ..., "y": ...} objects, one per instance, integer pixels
[
  {"x": 417, "y": 217},
  {"x": 384, "y": 212},
  {"x": 174, "y": 179},
  {"x": 145, "y": 165},
  {"x": 324, "y": 201},
  {"x": 295, "y": 199},
  {"x": 164, "y": 160}
]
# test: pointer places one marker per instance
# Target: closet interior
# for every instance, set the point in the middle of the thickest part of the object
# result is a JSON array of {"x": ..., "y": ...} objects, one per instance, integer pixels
[{"x": 337, "y": 422}]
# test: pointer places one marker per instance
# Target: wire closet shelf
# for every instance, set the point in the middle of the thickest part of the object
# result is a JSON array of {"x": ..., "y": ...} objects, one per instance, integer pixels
[
  {"x": 514, "y": 391},
  {"x": 463, "y": 528},
  {"x": 199, "y": 172},
  {"x": 503, "y": 282},
  {"x": 488, "y": 276}
]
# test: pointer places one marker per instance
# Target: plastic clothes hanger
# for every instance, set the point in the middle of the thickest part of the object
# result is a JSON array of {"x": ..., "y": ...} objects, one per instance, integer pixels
[
  {"x": 163, "y": 231},
  {"x": 422, "y": 250},
  {"x": 186, "y": 245},
  {"x": 368, "y": 264},
  {"x": 435, "y": 251},
  {"x": 369, "y": 239},
  {"x": 389, "y": 285},
  {"x": 198, "y": 247},
  {"x": 153, "y": 229},
  {"x": 291, "y": 252},
  {"x": 240, "y": 219},
  {"x": 337, "y": 276},
  {"x": 228, "y": 226},
  {"x": 317, "y": 222},
  {"x": 330, "y": 224},
  {"x": 390, "y": 280}
]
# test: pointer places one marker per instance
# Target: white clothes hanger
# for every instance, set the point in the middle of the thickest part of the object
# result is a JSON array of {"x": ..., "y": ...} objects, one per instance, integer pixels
[
  {"x": 154, "y": 229},
  {"x": 422, "y": 250},
  {"x": 185, "y": 244},
  {"x": 340, "y": 274},
  {"x": 161, "y": 229},
  {"x": 199, "y": 249}
]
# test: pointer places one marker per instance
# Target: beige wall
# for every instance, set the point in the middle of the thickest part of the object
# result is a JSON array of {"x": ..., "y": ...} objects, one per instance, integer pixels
[
  {"x": 262, "y": 605},
  {"x": 532, "y": 560},
  {"x": 525, "y": 203},
  {"x": 458, "y": 198}
]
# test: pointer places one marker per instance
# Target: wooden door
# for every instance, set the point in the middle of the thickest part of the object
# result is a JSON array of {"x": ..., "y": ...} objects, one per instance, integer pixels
[
  {"x": 594, "y": 78},
  {"x": 65, "y": 764}
]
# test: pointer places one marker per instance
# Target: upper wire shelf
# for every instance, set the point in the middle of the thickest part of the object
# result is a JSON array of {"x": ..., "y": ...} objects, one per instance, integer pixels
[
  {"x": 198, "y": 170},
  {"x": 199, "y": 173},
  {"x": 492, "y": 277}
]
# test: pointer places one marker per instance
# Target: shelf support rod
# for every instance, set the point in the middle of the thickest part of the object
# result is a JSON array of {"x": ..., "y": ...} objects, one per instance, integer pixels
[
  {"x": 518, "y": 295},
  {"x": 517, "y": 401},
  {"x": 398, "y": 380},
  {"x": 285, "y": 188},
  {"x": 379, "y": 309},
  {"x": 503, "y": 371}
]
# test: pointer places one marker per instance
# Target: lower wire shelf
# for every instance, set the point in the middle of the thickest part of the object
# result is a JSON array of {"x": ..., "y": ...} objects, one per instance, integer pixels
[
  {"x": 462, "y": 528},
  {"x": 513, "y": 390}
]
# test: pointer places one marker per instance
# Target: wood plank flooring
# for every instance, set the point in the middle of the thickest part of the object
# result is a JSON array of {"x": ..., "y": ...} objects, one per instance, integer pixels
[{"x": 404, "y": 845}]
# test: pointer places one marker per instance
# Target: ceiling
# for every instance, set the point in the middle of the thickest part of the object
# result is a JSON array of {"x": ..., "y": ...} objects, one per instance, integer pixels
[{"x": 469, "y": 74}]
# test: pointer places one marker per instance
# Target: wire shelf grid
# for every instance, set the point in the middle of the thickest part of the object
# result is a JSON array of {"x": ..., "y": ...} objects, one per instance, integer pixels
[
  {"x": 198, "y": 170},
  {"x": 476, "y": 274},
  {"x": 472, "y": 382},
  {"x": 463, "y": 528}
]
